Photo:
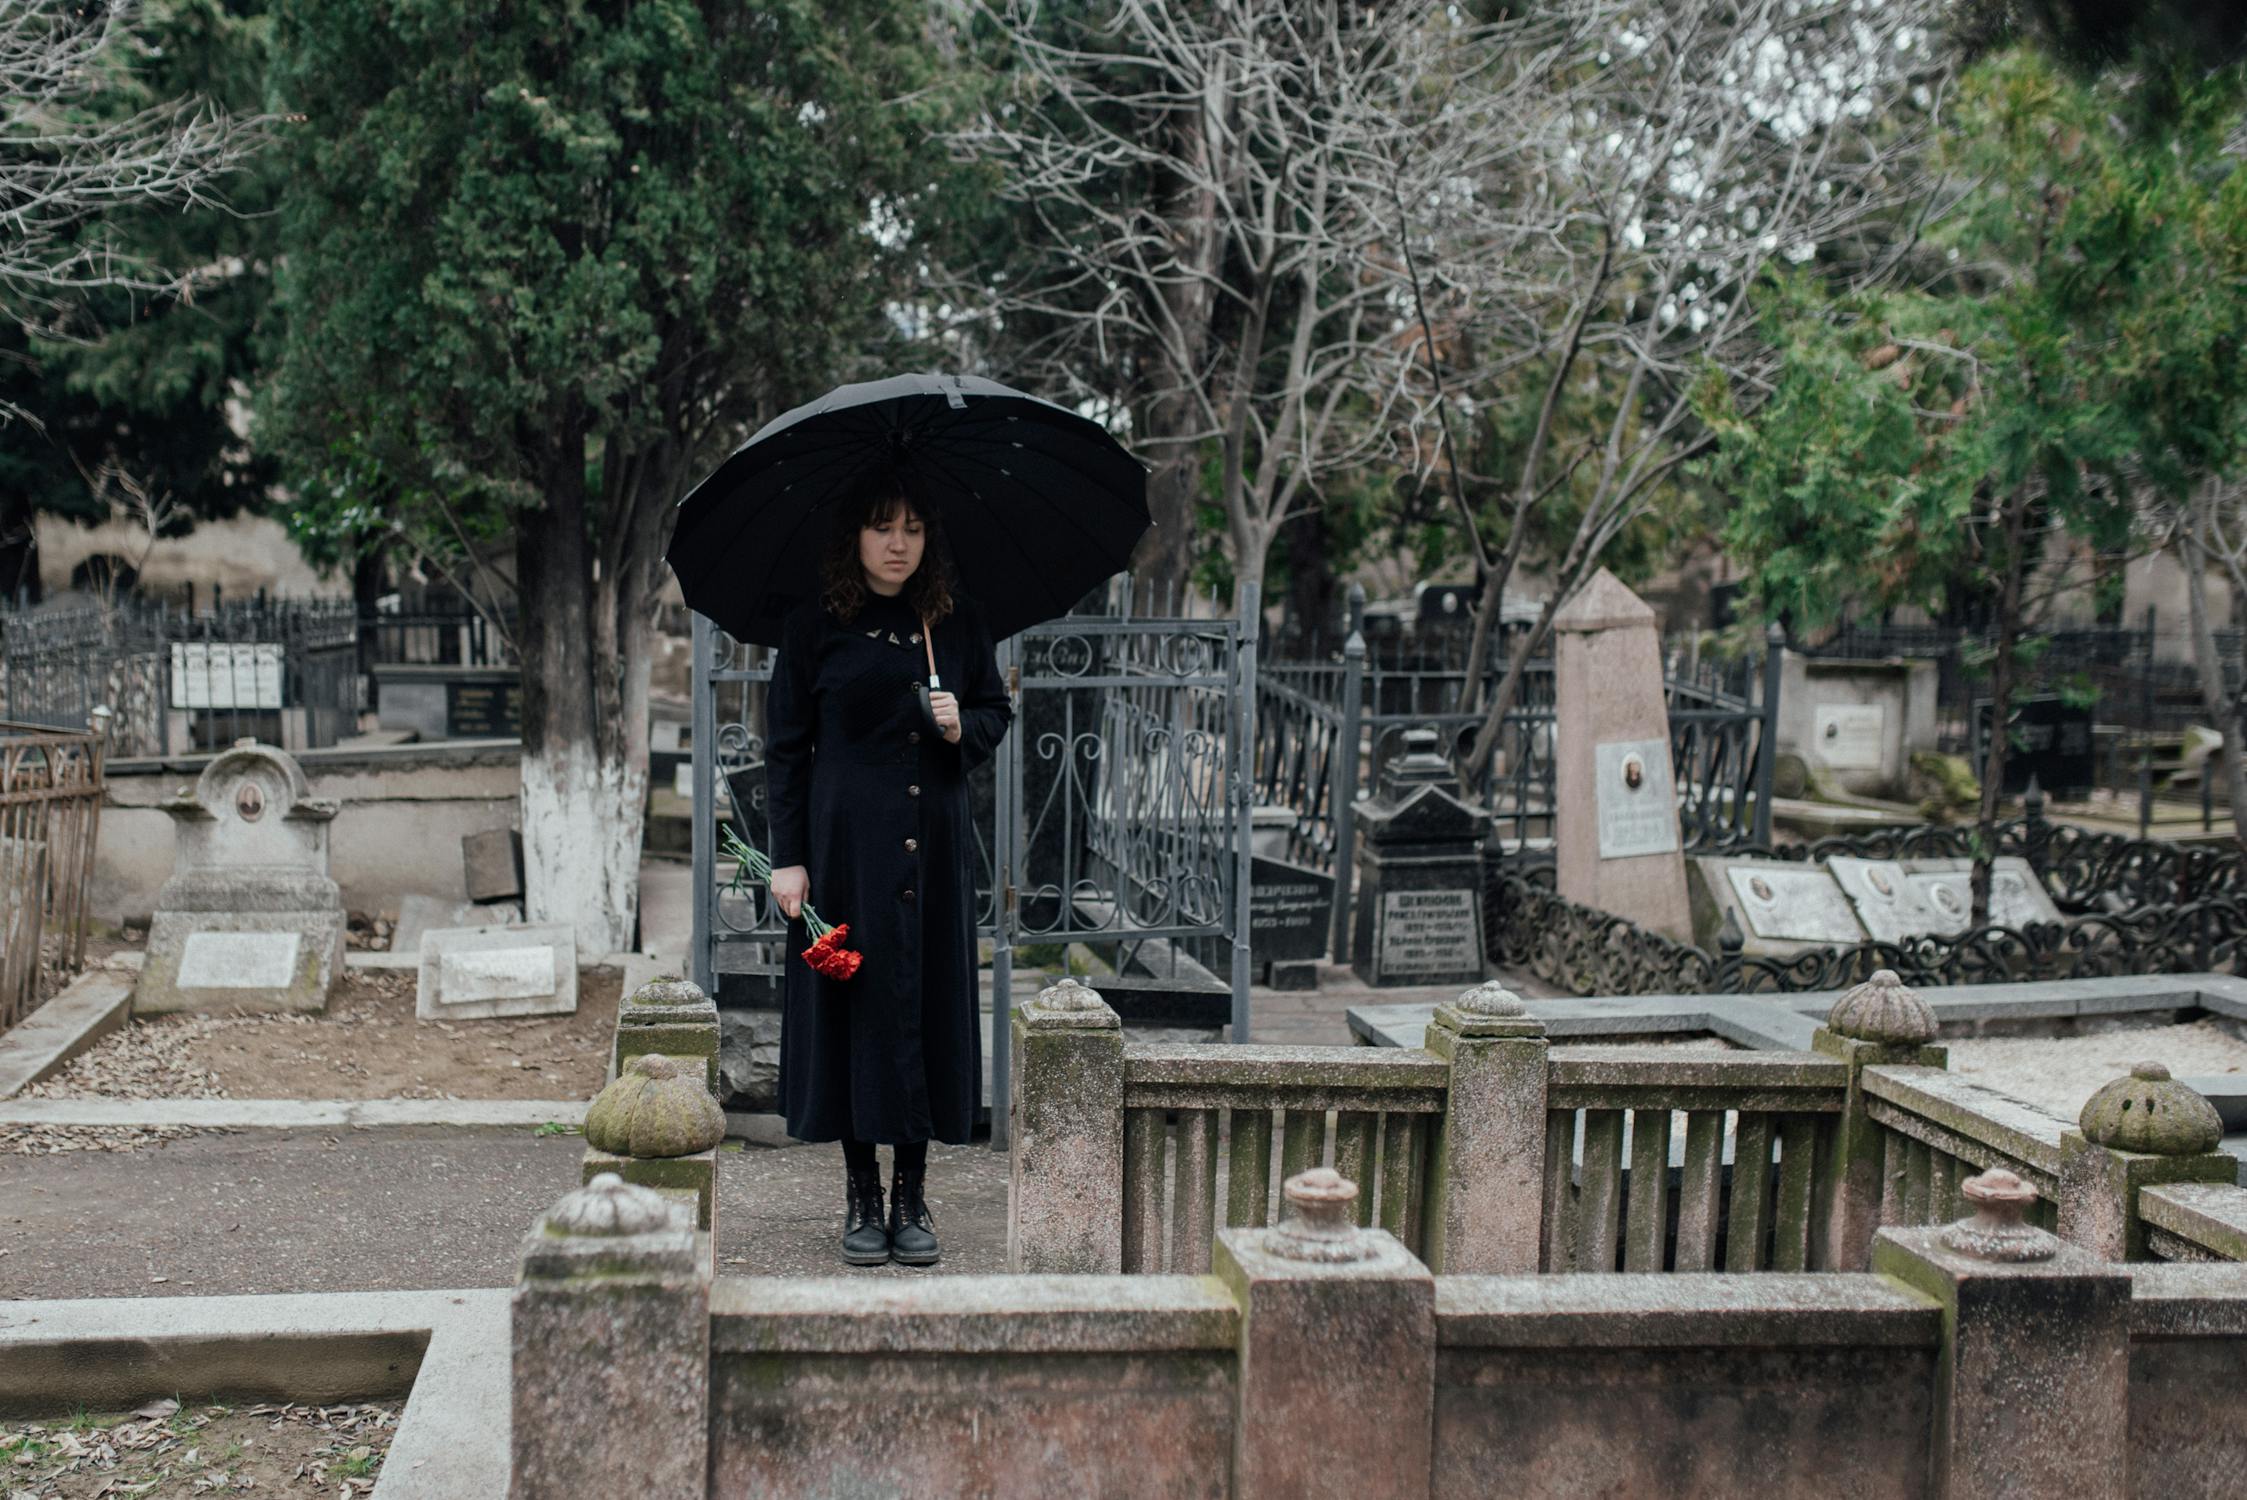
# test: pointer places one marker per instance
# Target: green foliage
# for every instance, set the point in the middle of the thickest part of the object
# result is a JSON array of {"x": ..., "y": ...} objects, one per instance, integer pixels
[
  {"x": 142, "y": 384},
  {"x": 2078, "y": 345},
  {"x": 531, "y": 247}
]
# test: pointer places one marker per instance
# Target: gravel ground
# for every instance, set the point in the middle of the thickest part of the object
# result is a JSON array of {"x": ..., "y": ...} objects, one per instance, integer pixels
[
  {"x": 160, "y": 1450},
  {"x": 286, "y": 1211},
  {"x": 2056, "y": 1074}
]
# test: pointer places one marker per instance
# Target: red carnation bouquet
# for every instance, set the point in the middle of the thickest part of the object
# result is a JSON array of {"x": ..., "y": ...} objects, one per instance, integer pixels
[{"x": 826, "y": 955}]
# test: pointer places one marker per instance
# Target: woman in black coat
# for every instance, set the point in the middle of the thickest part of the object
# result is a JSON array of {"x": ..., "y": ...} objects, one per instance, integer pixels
[{"x": 870, "y": 824}]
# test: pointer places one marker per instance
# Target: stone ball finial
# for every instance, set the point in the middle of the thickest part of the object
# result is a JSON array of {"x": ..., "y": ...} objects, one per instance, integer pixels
[
  {"x": 1882, "y": 1009},
  {"x": 668, "y": 989},
  {"x": 1068, "y": 994},
  {"x": 608, "y": 1207},
  {"x": 1997, "y": 1231},
  {"x": 655, "y": 1108},
  {"x": 1321, "y": 1222},
  {"x": 2151, "y": 1112},
  {"x": 1490, "y": 998}
]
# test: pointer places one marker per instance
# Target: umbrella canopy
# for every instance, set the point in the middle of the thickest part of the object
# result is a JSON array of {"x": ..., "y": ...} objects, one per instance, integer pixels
[{"x": 1039, "y": 504}]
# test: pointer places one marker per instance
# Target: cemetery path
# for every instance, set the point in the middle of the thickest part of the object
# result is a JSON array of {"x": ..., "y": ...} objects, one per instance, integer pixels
[{"x": 316, "y": 1211}]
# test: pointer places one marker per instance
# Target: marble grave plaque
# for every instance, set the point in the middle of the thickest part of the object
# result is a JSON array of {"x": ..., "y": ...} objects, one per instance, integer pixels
[
  {"x": 471, "y": 976},
  {"x": 1898, "y": 899},
  {"x": 1429, "y": 932},
  {"x": 238, "y": 960},
  {"x": 1799, "y": 905},
  {"x": 1636, "y": 806},
  {"x": 1850, "y": 736}
]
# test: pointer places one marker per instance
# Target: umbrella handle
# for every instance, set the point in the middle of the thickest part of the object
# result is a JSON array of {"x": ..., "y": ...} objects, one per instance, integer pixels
[{"x": 928, "y": 642}]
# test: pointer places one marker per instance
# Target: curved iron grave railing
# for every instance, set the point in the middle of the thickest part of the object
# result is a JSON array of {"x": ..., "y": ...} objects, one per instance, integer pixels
[{"x": 2131, "y": 906}]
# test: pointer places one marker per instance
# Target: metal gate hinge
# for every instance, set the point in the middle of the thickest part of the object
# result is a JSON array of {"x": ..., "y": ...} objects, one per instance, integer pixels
[
  {"x": 1014, "y": 682},
  {"x": 1010, "y": 900}
]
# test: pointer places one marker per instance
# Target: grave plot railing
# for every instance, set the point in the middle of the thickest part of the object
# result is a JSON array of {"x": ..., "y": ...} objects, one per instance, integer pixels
[
  {"x": 1746, "y": 1138},
  {"x": 1938, "y": 1129},
  {"x": 51, "y": 788},
  {"x": 1200, "y": 1126},
  {"x": 2194, "y": 1221}
]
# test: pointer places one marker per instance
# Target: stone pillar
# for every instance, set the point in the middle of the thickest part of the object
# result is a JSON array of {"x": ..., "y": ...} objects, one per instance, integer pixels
[
  {"x": 1418, "y": 917},
  {"x": 657, "y": 1126},
  {"x": 670, "y": 1016},
  {"x": 2033, "y": 1384},
  {"x": 1486, "y": 1187},
  {"x": 1066, "y": 1128},
  {"x": 1616, "y": 832},
  {"x": 1338, "y": 1352},
  {"x": 1879, "y": 1022},
  {"x": 611, "y": 1343},
  {"x": 2135, "y": 1133}
]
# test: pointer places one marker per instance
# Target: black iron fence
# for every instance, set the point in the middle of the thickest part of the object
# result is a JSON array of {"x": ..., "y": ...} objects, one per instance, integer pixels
[
  {"x": 284, "y": 671},
  {"x": 1325, "y": 730},
  {"x": 2129, "y": 906}
]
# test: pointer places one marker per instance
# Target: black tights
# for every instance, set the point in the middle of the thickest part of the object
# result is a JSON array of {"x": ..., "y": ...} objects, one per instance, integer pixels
[{"x": 912, "y": 1157}]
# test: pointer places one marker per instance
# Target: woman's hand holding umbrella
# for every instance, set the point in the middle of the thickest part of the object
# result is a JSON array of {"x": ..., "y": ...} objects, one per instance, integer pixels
[{"x": 945, "y": 708}]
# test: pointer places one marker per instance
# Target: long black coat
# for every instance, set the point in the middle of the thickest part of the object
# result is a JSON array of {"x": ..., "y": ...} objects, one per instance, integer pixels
[{"x": 875, "y": 805}]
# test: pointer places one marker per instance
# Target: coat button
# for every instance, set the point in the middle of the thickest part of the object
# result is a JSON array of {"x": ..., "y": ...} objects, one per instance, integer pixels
[
  {"x": 916, "y": 638},
  {"x": 912, "y": 846},
  {"x": 913, "y": 737},
  {"x": 912, "y": 791},
  {"x": 908, "y": 893}
]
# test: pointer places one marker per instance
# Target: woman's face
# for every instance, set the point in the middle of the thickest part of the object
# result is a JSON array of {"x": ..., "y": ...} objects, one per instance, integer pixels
[{"x": 889, "y": 548}]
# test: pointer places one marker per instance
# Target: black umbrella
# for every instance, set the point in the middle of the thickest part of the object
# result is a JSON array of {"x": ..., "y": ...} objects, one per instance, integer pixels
[{"x": 1039, "y": 504}]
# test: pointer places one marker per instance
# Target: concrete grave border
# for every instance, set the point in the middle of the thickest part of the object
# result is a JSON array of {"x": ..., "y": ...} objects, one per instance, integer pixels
[{"x": 447, "y": 1352}]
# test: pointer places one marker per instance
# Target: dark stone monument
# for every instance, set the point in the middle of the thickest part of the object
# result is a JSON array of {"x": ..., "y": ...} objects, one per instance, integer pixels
[
  {"x": 1419, "y": 912},
  {"x": 2051, "y": 743},
  {"x": 1289, "y": 909}
]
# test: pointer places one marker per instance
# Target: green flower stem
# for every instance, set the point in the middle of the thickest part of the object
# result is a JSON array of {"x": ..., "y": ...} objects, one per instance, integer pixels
[{"x": 751, "y": 864}]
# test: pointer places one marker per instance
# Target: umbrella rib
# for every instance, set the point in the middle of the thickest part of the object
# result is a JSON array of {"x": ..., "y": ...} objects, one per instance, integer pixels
[{"x": 1012, "y": 534}]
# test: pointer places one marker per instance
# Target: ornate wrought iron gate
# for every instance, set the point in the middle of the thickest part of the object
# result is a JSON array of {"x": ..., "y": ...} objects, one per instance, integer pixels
[{"x": 1116, "y": 814}]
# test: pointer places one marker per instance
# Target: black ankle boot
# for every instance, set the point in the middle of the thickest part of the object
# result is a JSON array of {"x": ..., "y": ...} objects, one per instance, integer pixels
[
  {"x": 865, "y": 1237},
  {"x": 912, "y": 1232}
]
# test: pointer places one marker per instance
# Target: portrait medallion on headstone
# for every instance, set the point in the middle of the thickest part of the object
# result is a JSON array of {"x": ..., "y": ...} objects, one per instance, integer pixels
[
  {"x": 249, "y": 919},
  {"x": 1850, "y": 736},
  {"x": 1636, "y": 806}
]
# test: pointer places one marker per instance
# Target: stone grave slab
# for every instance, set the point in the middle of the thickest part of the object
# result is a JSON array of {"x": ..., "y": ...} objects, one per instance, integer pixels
[
  {"x": 1899, "y": 899},
  {"x": 239, "y": 961},
  {"x": 418, "y": 914},
  {"x": 490, "y": 973},
  {"x": 249, "y": 920},
  {"x": 492, "y": 864},
  {"x": 1780, "y": 907}
]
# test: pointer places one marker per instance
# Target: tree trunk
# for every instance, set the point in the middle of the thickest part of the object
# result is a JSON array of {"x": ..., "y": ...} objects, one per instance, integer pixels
[
  {"x": 2223, "y": 712},
  {"x": 584, "y": 711},
  {"x": 1165, "y": 555},
  {"x": 2001, "y": 703}
]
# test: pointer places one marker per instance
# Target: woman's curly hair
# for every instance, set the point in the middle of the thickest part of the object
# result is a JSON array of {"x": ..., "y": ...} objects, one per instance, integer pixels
[{"x": 842, "y": 577}]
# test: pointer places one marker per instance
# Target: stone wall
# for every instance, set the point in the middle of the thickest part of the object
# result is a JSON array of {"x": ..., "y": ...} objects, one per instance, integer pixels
[
  {"x": 401, "y": 816},
  {"x": 1984, "y": 1358}
]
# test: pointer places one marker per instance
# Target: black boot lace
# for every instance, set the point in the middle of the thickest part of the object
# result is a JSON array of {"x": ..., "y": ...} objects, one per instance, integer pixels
[{"x": 907, "y": 1202}]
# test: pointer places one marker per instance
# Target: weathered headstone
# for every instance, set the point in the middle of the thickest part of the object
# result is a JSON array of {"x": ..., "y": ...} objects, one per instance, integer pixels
[
  {"x": 1419, "y": 911},
  {"x": 1898, "y": 899},
  {"x": 485, "y": 973},
  {"x": 1780, "y": 907},
  {"x": 1856, "y": 723},
  {"x": 1616, "y": 821},
  {"x": 1289, "y": 909},
  {"x": 249, "y": 919},
  {"x": 492, "y": 864}
]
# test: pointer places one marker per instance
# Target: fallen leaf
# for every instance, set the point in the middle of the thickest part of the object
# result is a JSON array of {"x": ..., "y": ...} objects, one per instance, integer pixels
[{"x": 157, "y": 1411}]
